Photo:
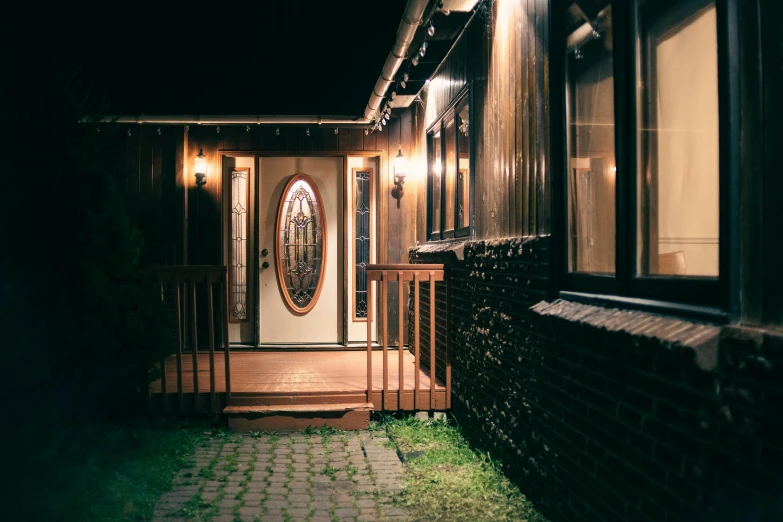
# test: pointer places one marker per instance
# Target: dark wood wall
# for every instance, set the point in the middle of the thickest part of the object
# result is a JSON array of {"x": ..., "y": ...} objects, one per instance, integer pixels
[
  {"x": 760, "y": 73},
  {"x": 182, "y": 224},
  {"x": 503, "y": 55}
]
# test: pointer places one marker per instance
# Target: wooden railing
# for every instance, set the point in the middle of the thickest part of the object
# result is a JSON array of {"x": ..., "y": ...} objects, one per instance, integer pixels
[
  {"x": 181, "y": 284},
  {"x": 406, "y": 274}
]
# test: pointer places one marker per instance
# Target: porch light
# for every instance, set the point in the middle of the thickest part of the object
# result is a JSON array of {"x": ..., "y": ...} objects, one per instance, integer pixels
[
  {"x": 201, "y": 168},
  {"x": 400, "y": 166}
]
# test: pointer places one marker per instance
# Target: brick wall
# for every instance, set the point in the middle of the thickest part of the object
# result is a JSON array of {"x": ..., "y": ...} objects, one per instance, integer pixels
[{"x": 603, "y": 414}]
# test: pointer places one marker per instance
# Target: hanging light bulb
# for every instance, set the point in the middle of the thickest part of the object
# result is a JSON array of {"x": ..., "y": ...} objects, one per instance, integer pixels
[
  {"x": 402, "y": 84},
  {"x": 431, "y": 29},
  {"x": 277, "y": 131},
  {"x": 405, "y": 76},
  {"x": 423, "y": 49},
  {"x": 393, "y": 94},
  {"x": 415, "y": 60}
]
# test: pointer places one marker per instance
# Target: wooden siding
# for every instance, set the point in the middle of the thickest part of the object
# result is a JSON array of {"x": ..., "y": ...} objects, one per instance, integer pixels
[{"x": 503, "y": 56}]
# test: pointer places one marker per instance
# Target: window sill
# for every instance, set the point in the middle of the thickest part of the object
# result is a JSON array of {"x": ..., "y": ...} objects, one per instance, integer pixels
[
  {"x": 614, "y": 324},
  {"x": 687, "y": 311}
]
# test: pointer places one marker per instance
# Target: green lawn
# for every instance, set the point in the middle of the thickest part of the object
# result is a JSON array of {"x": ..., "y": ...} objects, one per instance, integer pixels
[
  {"x": 447, "y": 480},
  {"x": 113, "y": 473}
]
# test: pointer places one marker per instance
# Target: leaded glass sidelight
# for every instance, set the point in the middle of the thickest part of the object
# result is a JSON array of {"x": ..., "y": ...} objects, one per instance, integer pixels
[
  {"x": 301, "y": 244},
  {"x": 362, "y": 218},
  {"x": 238, "y": 269}
]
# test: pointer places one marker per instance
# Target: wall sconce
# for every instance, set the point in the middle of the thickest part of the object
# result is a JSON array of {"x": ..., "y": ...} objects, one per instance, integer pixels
[
  {"x": 201, "y": 168},
  {"x": 400, "y": 166}
]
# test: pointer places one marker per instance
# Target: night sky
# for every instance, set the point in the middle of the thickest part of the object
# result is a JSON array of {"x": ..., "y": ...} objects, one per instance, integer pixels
[{"x": 313, "y": 57}]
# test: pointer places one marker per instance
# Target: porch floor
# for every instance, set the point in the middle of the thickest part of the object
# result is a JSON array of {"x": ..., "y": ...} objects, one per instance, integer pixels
[{"x": 304, "y": 373}]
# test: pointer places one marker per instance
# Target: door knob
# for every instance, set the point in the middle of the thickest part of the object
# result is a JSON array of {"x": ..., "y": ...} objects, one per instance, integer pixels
[
  {"x": 265, "y": 252},
  {"x": 265, "y": 264}
]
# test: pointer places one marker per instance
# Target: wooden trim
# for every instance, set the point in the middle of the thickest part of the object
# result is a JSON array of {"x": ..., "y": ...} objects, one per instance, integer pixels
[
  {"x": 346, "y": 239},
  {"x": 230, "y": 200},
  {"x": 324, "y": 249},
  {"x": 352, "y": 235}
]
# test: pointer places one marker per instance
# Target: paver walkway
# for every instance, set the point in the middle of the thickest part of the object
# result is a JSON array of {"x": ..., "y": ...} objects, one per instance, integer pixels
[{"x": 349, "y": 476}]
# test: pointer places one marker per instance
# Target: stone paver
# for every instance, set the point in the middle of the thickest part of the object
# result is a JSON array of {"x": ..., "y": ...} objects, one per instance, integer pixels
[{"x": 348, "y": 476}]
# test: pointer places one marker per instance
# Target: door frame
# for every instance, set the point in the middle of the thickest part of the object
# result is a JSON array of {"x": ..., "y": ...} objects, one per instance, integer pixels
[{"x": 382, "y": 211}]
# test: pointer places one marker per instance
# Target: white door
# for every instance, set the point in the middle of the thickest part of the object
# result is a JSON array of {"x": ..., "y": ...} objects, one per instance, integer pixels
[{"x": 323, "y": 322}]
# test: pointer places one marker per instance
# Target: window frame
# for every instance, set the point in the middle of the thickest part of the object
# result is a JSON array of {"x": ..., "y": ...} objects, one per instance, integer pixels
[
  {"x": 716, "y": 297},
  {"x": 462, "y": 99}
]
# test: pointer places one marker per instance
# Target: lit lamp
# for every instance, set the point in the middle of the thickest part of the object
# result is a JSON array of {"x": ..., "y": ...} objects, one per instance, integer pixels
[
  {"x": 201, "y": 168},
  {"x": 400, "y": 166}
]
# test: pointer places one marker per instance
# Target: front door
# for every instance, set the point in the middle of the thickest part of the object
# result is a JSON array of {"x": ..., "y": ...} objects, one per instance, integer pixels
[{"x": 300, "y": 245}]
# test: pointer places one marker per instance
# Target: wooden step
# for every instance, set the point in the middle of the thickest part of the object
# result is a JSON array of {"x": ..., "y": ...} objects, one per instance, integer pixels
[
  {"x": 276, "y": 399},
  {"x": 292, "y": 417}
]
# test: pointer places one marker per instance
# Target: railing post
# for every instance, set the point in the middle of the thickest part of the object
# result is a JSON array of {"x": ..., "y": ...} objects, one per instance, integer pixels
[
  {"x": 433, "y": 366},
  {"x": 225, "y": 335},
  {"x": 179, "y": 348},
  {"x": 211, "y": 309},
  {"x": 448, "y": 345},
  {"x": 163, "y": 381},
  {"x": 401, "y": 335},
  {"x": 369, "y": 340},
  {"x": 194, "y": 344},
  {"x": 384, "y": 321},
  {"x": 417, "y": 362}
]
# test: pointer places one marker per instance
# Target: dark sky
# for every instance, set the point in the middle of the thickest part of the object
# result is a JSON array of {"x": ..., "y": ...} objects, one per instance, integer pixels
[{"x": 293, "y": 57}]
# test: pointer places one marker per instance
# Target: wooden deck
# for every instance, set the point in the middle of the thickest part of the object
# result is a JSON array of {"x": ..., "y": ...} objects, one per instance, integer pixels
[{"x": 300, "y": 377}]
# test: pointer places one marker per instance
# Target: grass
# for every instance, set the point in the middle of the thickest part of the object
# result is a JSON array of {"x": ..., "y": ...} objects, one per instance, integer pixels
[
  {"x": 113, "y": 473},
  {"x": 446, "y": 479}
]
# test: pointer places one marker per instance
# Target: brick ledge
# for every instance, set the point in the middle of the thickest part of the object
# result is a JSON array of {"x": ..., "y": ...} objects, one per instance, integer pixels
[{"x": 703, "y": 339}]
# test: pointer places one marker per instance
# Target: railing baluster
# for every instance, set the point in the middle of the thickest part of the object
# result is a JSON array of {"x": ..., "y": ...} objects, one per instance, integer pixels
[
  {"x": 432, "y": 340},
  {"x": 179, "y": 348},
  {"x": 401, "y": 335},
  {"x": 385, "y": 321},
  {"x": 211, "y": 318},
  {"x": 416, "y": 340},
  {"x": 369, "y": 340},
  {"x": 194, "y": 344}
]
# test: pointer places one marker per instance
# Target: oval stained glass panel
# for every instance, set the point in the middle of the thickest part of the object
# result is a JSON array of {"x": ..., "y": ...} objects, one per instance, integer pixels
[{"x": 301, "y": 244}]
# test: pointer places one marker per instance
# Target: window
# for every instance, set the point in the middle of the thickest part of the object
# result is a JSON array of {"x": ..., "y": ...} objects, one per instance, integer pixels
[
  {"x": 449, "y": 172},
  {"x": 644, "y": 168}
]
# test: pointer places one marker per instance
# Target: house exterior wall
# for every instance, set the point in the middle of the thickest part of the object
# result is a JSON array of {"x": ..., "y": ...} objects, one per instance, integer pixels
[
  {"x": 603, "y": 413},
  {"x": 184, "y": 224}
]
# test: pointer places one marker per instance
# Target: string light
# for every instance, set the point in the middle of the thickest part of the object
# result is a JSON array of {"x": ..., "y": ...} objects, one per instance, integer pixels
[
  {"x": 431, "y": 29},
  {"x": 277, "y": 131},
  {"x": 423, "y": 49},
  {"x": 247, "y": 128}
]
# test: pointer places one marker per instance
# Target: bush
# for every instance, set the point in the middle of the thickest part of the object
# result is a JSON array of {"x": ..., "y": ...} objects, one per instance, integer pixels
[{"x": 81, "y": 323}]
